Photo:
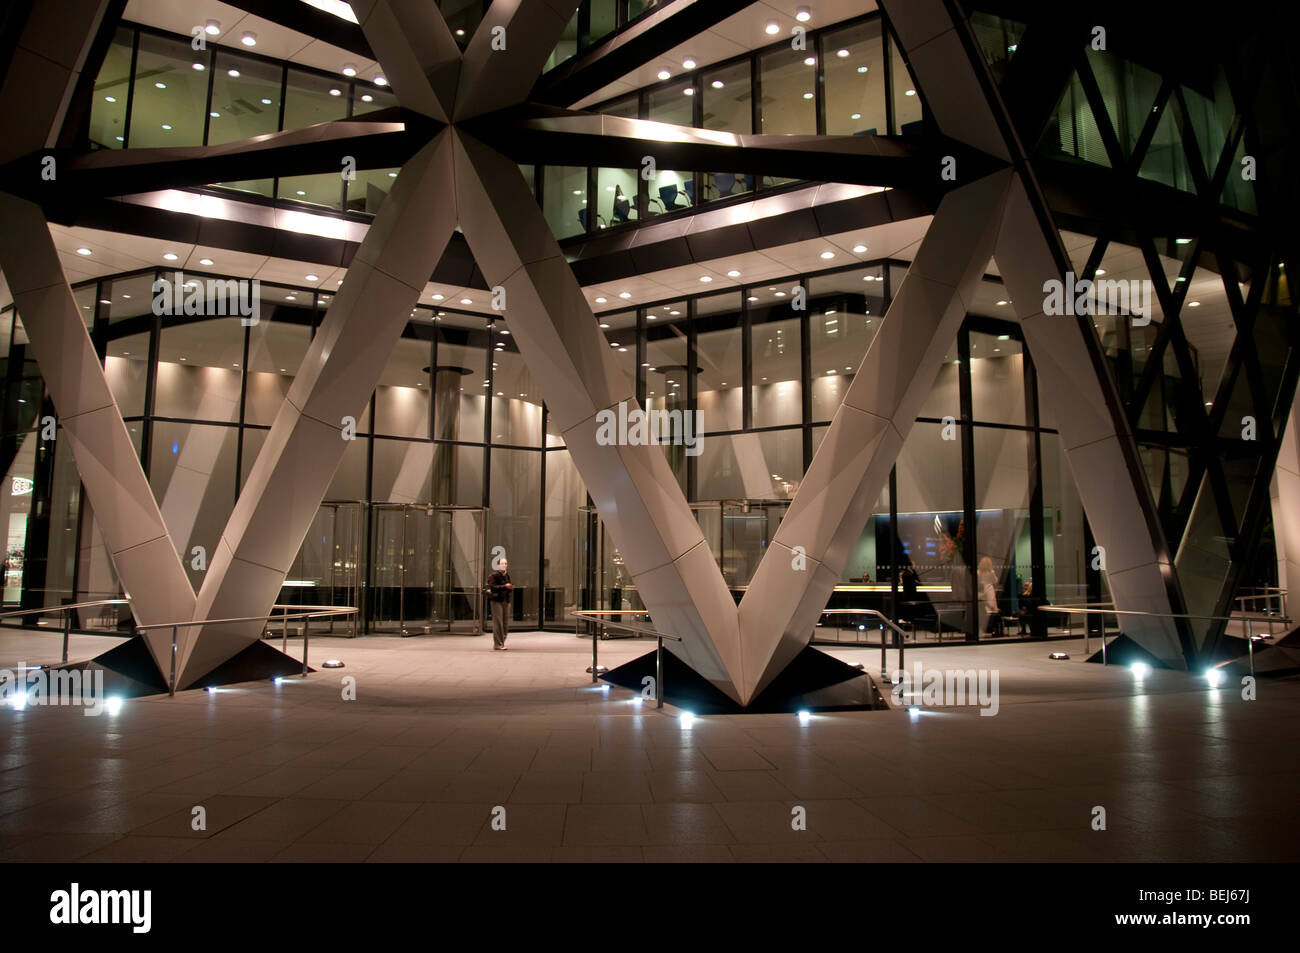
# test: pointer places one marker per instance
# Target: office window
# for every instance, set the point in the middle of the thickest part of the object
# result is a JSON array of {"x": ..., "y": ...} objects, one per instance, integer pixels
[
  {"x": 245, "y": 98},
  {"x": 907, "y": 100},
  {"x": 853, "y": 62},
  {"x": 276, "y": 347},
  {"x": 728, "y": 100},
  {"x": 719, "y": 357},
  {"x": 461, "y": 383},
  {"x": 564, "y": 199},
  {"x": 997, "y": 377},
  {"x": 309, "y": 100},
  {"x": 517, "y": 402},
  {"x": 616, "y": 196},
  {"x": 775, "y": 358},
  {"x": 170, "y": 94},
  {"x": 108, "y": 110},
  {"x": 402, "y": 395},
  {"x": 787, "y": 80},
  {"x": 843, "y": 316}
]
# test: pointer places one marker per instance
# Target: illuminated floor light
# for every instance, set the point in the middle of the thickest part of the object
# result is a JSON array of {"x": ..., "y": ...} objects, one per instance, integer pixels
[
  {"x": 1058, "y": 656},
  {"x": 19, "y": 701},
  {"x": 1215, "y": 677},
  {"x": 113, "y": 705},
  {"x": 687, "y": 719},
  {"x": 805, "y": 717},
  {"x": 1140, "y": 670}
]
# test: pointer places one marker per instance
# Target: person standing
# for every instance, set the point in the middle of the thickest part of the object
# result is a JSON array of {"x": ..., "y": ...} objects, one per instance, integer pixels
[{"x": 499, "y": 590}]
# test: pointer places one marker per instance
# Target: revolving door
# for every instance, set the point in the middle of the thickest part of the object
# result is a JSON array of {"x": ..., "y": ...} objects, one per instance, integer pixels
[{"x": 427, "y": 569}]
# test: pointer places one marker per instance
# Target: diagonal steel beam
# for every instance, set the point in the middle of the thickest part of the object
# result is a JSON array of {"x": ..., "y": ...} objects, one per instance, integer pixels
[
  {"x": 419, "y": 55},
  {"x": 651, "y": 36},
  {"x": 309, "y": 435},
  {"x": 125, "y": 508},
  {"x": 851, "y": 467},
  {"x": 509, "y": 48},
  {"x": 632, "y": 485}
]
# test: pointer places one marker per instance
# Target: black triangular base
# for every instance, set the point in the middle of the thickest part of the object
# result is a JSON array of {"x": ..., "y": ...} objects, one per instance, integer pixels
[
  {"x": 1124, "y": 651},
  {"x": 814, "y": 681},
  {"x": 129, "y": 670},
  {"x": 258, "y": 662}
]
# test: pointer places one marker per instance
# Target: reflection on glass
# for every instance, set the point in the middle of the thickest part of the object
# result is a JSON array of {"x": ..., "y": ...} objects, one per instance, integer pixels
[
  {"x": 169, "y": 94},
  {"x": 855, "y": 80},
  {"x": 787, "y": 78},
  {"x": 108, "y": 110},
  {"x": 564, "y": 199}
]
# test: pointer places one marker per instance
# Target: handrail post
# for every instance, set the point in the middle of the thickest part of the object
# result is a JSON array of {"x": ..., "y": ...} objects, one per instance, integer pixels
[
  {"x": 659, "y": 673},
  {"x": 595, "y": 637},
  {"x": 1250, "y": 649},
  {"x": 306, "y": 635},
  {"x": 1102, "y": 616},
  {"x": 884, "y": 662},
  {"x": 284, "y": 629},
  {"x": 172, "y": 679},
  {"x": 898, "y": 634},
  {"x": 67, "y": 628}
]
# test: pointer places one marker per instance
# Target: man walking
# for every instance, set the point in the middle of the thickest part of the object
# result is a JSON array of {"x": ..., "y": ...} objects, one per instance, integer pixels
[{"x": 499, "y": 590}]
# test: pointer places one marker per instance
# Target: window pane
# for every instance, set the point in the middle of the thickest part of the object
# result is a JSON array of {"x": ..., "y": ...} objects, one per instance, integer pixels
[
  {"x": 517, "y": 404},
  {"x": 728, "y": 99},
  {"x": 666, "y": 388},
  {"x": 1002, "y": 517},
  {"x": 460, "y": 379},
  {"x": 245, "y": 98},
  {"x": 402, "y": 396},
  {"x": 719, "y": 358},
  {"x": 514, "y": 523},
  {"x": 787, "y": 79},
  {"x": 844, "y": 313},
  {"x": 126, "y": 366},
  {"x": 170, "y": 94},
  {"x": 853, "y": 63},
  {"x": 616, "y": 196},
  {"x": 776, "y": 360},
  {"x": 997, "y": 379},
  {"x": 564, "y": 199},
  {"x": 276, "y": 346},
  {"x": 931, "y": 530},
  {"x": 199, "y": 371},
  {"x": 565, "y": 493},
  {"x": 108, "y": 110}
]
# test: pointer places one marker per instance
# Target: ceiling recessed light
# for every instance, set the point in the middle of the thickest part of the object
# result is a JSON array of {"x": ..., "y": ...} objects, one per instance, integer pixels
[
  {"x": 437, "y": 297},
  {"x": 198, "y": 66},
  {"x": 688, "y": 91},
  {"x": 290, "y": 298},
  {"x": 733, "y": 273},
  {"x": 600, "y": 300},
  {"x": 466, "y": 301},
  {"x": 688, "y": 63},
  {"x": 604, "y": 326},
  {"x": 841, "y": 53},
  {"x": 664, "y": 74},
  {"x": 706, "y": 278},
  {"x": 266, "y": 102},
  {"x": 810, "y": 61},
  {"x": 167, "y": 126},
  {"x": 336, "y": 92},
  {"x": 910, "y": 92},
  {"x": 862, "y": 69},
  {"x": 233, "y": 73},
  {"x": 349, "y": 69},
  {"x": 205, "y": 261},
  {"x": 212, "y": 28},
  {"x": 367, "y": 98},
  {"x": 301, "y": 192},
  {"x": 1193, "y": 304},
  {"x": 624, "y": 294},
  {"x": 752, "y": 298},
  {"x": 311, "y": 278},
  {"x": 771, "y": 29},
  {"x": 160, "y": 85},
  {"x": 380, "y": 81},
  {"x": 83, "y": 251},
  {"x": 1001, "y": 302},
  {"x": 827, "y": 255},
  {"x": 807, "y": 95},
  {"x": 717, "y": 84},
  {"x": 803, "y": 15},
  {"x": 110, "y": 99},
  {"x": 859, "y": 249},
  {"x": 170, "y": 256},
  {"x": 780, "y": 294},
  {"x": 249, "y": 39}
]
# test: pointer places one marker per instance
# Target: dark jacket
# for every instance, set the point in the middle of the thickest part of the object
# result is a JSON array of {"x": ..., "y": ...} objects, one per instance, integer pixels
[{"x": 496, "y": 585}]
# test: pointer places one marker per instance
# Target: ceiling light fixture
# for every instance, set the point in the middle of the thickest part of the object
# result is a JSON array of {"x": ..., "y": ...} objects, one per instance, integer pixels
[
  {"x": 170, "y": 256},
  {"x": 83, "y": 251},
  {"x": 205, "y": 261},
  {"x": 688, "y": 63},
  {"x": 803, "y": 15},
  {"x": 771, "y": 29},
  {"x": 349, "y": 70},
  {"x": 664, "y": 74},
  {"x": 212, "y": 28},
  {"x": 249, "y": 39}
]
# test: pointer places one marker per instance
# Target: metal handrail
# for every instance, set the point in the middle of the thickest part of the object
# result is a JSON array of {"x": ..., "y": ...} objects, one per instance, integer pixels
[
  {"x": 67, "y": 614},
  {"x": 314, "y": 612},
  {"x": 594, "y": 616},
  {"x": 899, "y": 635},
  {"x": 1103, "y": 608}
]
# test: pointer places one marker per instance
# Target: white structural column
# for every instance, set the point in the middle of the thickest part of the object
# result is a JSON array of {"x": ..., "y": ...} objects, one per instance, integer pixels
[
  {"x": 816, "y": 538},
  {"x": 339, "y": 373},
  {"x": 507, "y": 53},
  {"x": 632, "y": 486},
  {"x": 128, "y": 514},
  {"x": 1076, "y": 389},
  {"x": 1286, "y": 503},
  {"x": 419, "y": 56}
]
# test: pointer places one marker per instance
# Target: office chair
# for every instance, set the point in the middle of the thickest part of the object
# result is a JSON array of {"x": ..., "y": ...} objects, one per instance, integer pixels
[
  {"x": 725, "y": 183},
  {"x": 622, "y": 207}
]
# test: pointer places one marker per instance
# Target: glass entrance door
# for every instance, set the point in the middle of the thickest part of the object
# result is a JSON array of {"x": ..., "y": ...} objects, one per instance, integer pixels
[
  {"x": 427, "y": 574},
  {"x": 326, "y": 571}
]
